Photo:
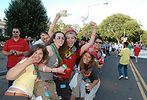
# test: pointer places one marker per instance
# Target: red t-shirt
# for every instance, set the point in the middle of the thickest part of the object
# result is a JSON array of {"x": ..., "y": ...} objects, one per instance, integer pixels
[
  {"x": 70, "y": 63},
  {"x": 136, "y": 51},
  {"x": 20, "y": 45}
]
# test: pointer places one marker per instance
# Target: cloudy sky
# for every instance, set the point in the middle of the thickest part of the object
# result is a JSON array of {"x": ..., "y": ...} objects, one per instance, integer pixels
[{"x": 97, "y": 9}]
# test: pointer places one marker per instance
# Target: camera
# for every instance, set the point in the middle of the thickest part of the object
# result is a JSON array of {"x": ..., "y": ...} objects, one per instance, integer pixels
[{"x": 13, "y": 52}]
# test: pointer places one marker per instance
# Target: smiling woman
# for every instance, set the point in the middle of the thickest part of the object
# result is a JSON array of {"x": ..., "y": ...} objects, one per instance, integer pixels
[{"x": 25, "y": 74}]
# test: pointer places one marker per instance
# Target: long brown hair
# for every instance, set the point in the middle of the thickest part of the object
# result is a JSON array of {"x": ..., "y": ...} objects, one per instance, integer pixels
[{"x": 86, "y": 67}]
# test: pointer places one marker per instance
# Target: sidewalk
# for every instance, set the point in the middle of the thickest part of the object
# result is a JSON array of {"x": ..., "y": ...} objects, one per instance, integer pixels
[
  {"x": 3, "y": 61},
  {"x": 3, "y": 85}
]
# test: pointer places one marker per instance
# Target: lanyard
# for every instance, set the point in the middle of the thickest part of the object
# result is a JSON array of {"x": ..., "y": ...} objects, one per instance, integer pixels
[
  {"x": 56, "y": 51},
  {"x": 37, "y": 71}
]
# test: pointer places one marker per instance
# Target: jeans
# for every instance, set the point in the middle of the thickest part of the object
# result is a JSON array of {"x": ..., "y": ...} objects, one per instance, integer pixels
[{"x": 122, "y": 67}]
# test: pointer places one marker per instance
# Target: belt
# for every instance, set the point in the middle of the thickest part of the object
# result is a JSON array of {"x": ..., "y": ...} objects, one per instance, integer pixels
[{"x": 16, "y": 94}]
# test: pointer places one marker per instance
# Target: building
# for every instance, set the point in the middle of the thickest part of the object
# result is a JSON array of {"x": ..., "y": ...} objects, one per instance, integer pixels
[{"x": 2, "y": 27}]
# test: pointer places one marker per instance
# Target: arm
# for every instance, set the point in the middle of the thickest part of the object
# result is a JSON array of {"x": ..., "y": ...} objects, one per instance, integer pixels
[
  {"x": 20, "y": 67},
  {"x": 92, "y": 39},
  {"x": 21, "y": 52},
  {"x": 91, "y": 85},
  {"x": 17, "y": 70},
  {"x": 44, "y": 68},
  {"x": 50, "y": 32},
  {"x": 6, "y": 53},
  {"x": 98, "y": 65}
]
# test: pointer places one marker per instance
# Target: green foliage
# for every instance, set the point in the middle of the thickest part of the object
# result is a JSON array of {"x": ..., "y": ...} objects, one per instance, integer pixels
[
  {"x": 29, "y": 15},
  {"x": 118, "y": 26},
  {"x": 143, "y": 38}
]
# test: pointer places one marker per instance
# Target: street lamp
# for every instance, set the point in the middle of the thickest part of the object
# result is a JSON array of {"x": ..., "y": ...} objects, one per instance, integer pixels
[{"x": 86, "y": 17}]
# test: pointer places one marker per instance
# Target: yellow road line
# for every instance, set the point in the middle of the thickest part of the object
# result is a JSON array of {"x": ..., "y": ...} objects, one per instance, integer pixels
[
  {"x": 138, "y": 83},
  {"x": 140, "y": 77}
]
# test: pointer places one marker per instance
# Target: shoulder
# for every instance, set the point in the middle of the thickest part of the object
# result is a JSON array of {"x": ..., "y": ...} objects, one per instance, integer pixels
[
  {"x": 49, "y": 49},
  {"x": 10, "y": 40}
]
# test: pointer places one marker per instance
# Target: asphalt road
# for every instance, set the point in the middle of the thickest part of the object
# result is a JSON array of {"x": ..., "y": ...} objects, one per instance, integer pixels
[{"x": 111, "y": 88}]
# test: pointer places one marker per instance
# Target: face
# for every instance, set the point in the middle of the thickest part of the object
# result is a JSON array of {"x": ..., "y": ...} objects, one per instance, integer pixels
[
  {"x": 86, "y": 58},
  {"x": 42, "y": 35},
  {"x": 71, "y": 39},
  {"x": 46, "y": 38},
  {"x": 98, "y": 43},
  {"x": 59, "y": 39},
  {"x": 15, "y": 32},
  {"x": 38, "y": 55}
]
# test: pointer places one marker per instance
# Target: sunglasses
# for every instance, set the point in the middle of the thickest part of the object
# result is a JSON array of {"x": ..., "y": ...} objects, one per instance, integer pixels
[
  {"x": 58, "y": 38},
  {"x": 71, "y": 38},
  {"x": 15, "y": 31},
  {"x": 98, "y": 42}
]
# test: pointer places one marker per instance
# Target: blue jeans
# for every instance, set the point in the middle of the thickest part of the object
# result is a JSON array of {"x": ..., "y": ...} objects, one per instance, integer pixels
[{"x": 122, "y": 67}]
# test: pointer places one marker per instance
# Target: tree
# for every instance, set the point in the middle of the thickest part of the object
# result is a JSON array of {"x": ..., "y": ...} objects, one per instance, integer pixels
[
  {"x": 118, "y": 26},
  {"x": 29, "y": 15},
  {"x": 143, "y": 38}
]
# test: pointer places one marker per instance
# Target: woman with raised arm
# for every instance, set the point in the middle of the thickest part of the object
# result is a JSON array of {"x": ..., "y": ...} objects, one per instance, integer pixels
[
  {"x": 88, "y": 80},
  {"x": 70, "y": 52},
  {"x": 25, "y": 74}
]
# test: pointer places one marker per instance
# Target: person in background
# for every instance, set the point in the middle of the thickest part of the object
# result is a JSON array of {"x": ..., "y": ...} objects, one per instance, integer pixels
[
  {"x": 97, "y": 48},
  {"x": 24, "y": 74},
  {"x": 15, "y": 48},
  {"x": 29, "y": 41},
  {"x": 124, "y": 61},
  {"x": 44, "y": 39},
  {"x": 136, "y": 51}
]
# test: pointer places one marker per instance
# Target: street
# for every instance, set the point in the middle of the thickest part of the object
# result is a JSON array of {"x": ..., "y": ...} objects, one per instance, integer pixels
[{"x": 111, "y": 88}]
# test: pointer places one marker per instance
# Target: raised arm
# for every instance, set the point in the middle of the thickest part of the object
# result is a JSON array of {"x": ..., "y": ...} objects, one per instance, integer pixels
[
  {"x": 53, "y": 24},
  {"x": 92, "y": 39},
  {"x": 20, "y": 68}
]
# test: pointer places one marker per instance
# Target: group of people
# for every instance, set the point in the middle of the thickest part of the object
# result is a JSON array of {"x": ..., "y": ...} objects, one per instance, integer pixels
[{"x": 45, "y": 70}]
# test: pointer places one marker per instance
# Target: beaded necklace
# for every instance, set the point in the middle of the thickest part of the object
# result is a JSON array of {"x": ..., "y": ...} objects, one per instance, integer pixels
[{"x": 69, "y": 52}]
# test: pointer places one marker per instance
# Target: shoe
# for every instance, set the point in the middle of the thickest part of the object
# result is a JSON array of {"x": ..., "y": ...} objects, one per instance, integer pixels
[
  {"x": 126, "y": 77},
  {"x": 120, "y": 77}
]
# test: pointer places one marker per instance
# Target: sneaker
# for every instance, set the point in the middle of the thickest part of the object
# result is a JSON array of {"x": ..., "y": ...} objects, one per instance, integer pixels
[
  {"x": 120, "y": 77},
  {"x": 126, "y": 77}
]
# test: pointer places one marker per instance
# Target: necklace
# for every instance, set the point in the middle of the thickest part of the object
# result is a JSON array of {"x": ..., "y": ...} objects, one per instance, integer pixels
[{"x": 70, "y": 52}]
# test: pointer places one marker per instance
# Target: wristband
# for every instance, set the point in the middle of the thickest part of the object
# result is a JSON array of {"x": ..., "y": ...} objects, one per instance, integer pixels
[{"x": 64, "y": 66}]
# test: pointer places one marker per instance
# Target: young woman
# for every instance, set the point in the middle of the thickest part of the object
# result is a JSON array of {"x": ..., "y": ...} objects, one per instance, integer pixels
[
  {"x": 88, "y": 80},
  {"x": 46, "y": 71},
  {"x": 70, "y": 53},
  {"x": 25, "y": 74}
]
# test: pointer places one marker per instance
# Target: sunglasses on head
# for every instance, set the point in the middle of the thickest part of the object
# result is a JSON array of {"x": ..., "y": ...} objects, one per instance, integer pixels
[
  {"x": 58, "y": 37},
  {"x": 98, "y": 42}
]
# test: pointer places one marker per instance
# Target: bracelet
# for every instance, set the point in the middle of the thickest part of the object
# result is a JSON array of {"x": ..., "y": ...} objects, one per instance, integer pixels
[{"x": 44, "y": 67}]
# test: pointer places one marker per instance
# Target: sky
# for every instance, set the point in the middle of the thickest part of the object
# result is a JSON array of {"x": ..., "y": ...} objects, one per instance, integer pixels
[{"x": 98, "y": 11}]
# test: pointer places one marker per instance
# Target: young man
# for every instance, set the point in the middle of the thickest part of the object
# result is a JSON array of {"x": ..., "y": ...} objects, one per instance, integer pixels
[
  {"x": 15, "y": 48},
  {"x": 124, "y": 61}
]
